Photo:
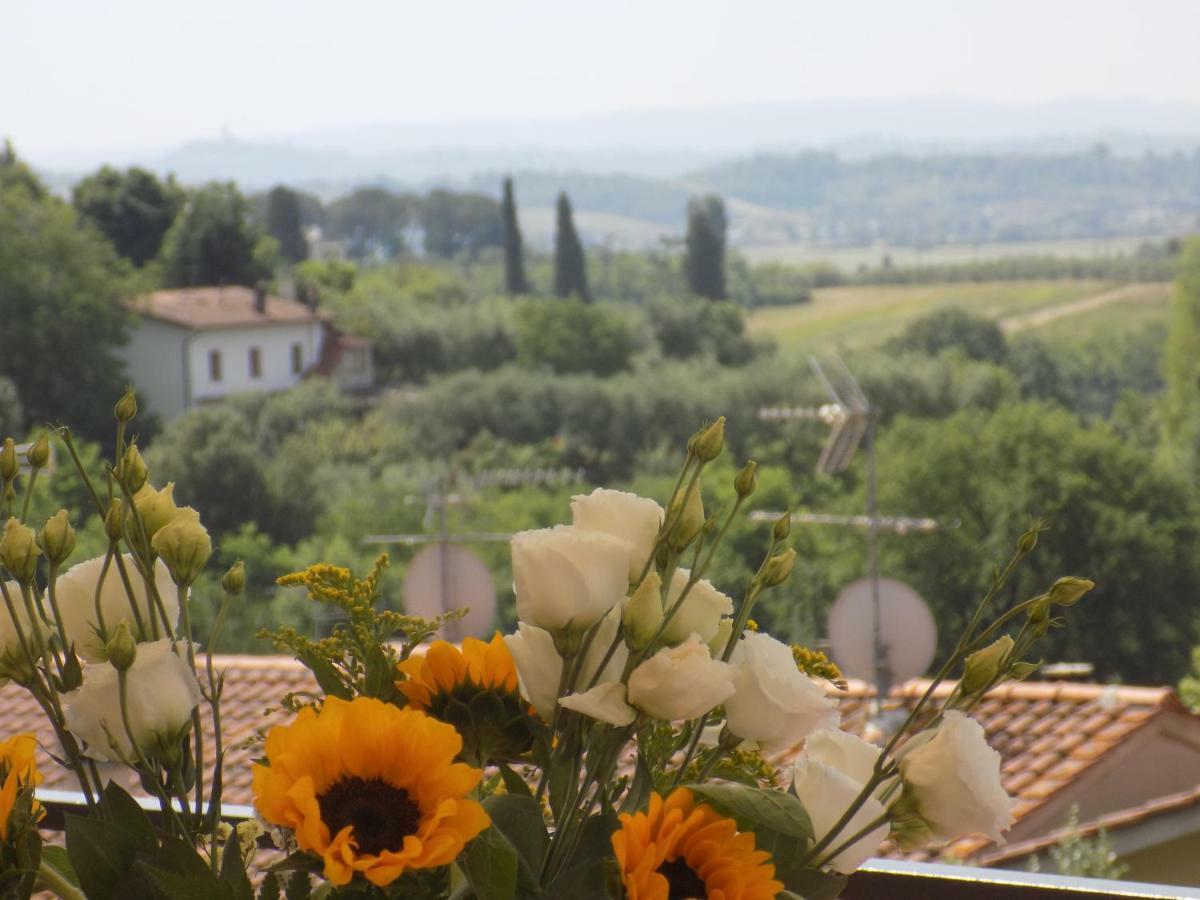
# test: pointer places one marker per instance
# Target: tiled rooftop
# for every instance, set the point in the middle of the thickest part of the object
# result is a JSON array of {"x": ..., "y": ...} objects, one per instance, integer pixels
[
  {"x": 1047, "y": 733},
  {"x": 221, "y": 307}
]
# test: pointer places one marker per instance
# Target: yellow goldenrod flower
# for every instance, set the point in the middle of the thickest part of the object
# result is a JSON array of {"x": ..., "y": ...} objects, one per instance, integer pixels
[
  {"x": 370, "y": 788},
  {"x": 18, "y": 770},
  {"x": 679, "y": 848}
]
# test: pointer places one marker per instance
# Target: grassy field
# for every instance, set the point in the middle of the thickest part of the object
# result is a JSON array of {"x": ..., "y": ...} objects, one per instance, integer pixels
[
  {"x": 854, "y": 316},
  {"x": 850, "y": 258}
]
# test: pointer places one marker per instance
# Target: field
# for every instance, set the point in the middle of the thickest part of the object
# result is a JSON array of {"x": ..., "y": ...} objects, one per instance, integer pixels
[{"x": 853, "y": 316}]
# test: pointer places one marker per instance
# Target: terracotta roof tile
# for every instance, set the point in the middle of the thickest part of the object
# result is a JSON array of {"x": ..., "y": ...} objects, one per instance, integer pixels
[{"x": 221, "y": 307}]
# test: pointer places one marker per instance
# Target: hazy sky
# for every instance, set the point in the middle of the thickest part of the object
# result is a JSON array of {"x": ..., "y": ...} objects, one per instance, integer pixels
[{"x": 127, "y": 73}]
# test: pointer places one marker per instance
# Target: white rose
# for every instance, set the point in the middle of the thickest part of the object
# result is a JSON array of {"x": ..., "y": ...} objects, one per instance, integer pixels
[
  {"x": 680, "y": 683},
  {"x": 701, "y": 611},
  {"x": 953, "y": 779},
  {"x": 633, "y": 520},
  {"x": 13, "y": 661},
  {"x": 827, "y": 778},
  {"x": 75, "y": 591},
  {"x": 605, "y": 702},
  {"x": 539, "y": 667},
  {"x": 160, "y": 694},
  {"x": 774, "y": 703},
  {"x": 566, "y": 578}
]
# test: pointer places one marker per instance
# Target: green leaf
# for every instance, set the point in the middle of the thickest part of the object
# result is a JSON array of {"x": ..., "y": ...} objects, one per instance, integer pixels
[
  {"x": 126, "y": 813},
  {"x": 519, "y": 819},
  {"x": 491, "y": 866},
  {"x": 591, "y": 873},
  {"x": 811, "y": 884},
  {"x": 638, "y": 794},
  {"x": 755, "y": 808},
  {"x": 233, "y": 870},
  {"x": 177, "y": 885},
  {"x": 513, "y": 783},
  {"x": 55, "y": 858},
  {"x": 102, "y": 853},
  {"x": 328, "y": 677},
  {"x": 271, "y": 889},
  {"x": 299, "y": 886}
]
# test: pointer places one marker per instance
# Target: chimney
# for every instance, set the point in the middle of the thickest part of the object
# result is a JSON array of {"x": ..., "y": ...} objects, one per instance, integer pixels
[{"x": 260, "y": 299}]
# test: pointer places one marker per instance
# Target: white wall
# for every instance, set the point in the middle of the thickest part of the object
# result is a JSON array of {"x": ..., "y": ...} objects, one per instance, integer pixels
[
  {"x": 275, "y": 352},
  {"x": 154, "y": 363}
]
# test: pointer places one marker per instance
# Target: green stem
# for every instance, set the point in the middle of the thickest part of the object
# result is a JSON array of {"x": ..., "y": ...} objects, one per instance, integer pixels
[
  {"x": 852, "y": 840},
  {"x": 33, "y": 474},
  {"x": 50, "y": 879},
  {"x": 65, "y": 435}
]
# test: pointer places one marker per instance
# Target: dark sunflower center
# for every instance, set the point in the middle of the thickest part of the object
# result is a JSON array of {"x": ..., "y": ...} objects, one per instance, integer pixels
[
  {"x": 682, "y": 881},
  {"x": 381, "y": 813}
]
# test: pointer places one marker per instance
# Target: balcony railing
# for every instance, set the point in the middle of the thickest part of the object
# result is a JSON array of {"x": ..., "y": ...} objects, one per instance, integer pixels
[{"x": 879, "y": 879}]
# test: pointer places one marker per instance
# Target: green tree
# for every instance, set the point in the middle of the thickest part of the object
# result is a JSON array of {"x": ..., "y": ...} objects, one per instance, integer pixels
[
  {"x": 704, "y": 247},
  {"x": 953, "y": 328},
  {"x": 1181, "y": 368},
  {"x": 212, "y": 240},
  {"x": 284, "y": 223},
  {"x": 514, "y": 251},
  {"x": 573, "y": 336},
  {"x": 133, "y": 209},
  {"x": 1081, "y": 856},
  {"x": 373, "y": 221},
  {"x": 570, "y": 275},
  {"x": 457, "y": 223},
  {"x": 61, "y": 311}
]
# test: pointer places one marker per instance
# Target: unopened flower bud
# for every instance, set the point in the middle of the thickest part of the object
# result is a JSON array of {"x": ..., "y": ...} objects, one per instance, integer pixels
[
  {"x": 778, "y": 568},
  {"x": 1069, "y": 590},
  {"x": 643, "y": 613},
  {"x": 1022, "y": 670},
  {"x": 155, "y": 508},
  {"x": 126, "y": 407},
  {"x": 132, "y": 470},
  {"x": 984, "y": 666},
  {"x": 687, "y": 517},
  {"x": 184, "y": 545},
  {"x": 724, "y": 632},
  {"x": 19, "y": 550},
  {"x": 234, "y": 581},
  {"x": 747, "y": 479},
  {"x": 38, "y": 453},
  {"x": 711, "y": 441},
  {"x": 114, "y": 521},
  {"x": 1028, "y": 541},
  {"x": 57, "y": 538},
  {"x": 121, "y": 650},
  {"x": 782, "y": 527},
  {"x": 8, "y": 460}
]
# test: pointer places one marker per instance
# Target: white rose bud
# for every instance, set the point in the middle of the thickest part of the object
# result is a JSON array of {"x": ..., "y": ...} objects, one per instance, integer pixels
[
  {"x": 567, "y": 579},
  {"x": 701, "y": 611},
  {"x": 160, "y": 694},
  {"x": 680, "y": 683},
  {"x": 631, "y": 519},
  {"x": 643, "y": 612},
  {"x": 14, "y": 664},
  {"x": 720, "y": 640},
  {"x": 828, "y": 776},
  {"x": 953, "y": 781},
  {"x": 154, "y": 508},
  {"x": 539, "y": 666},
  {"x": 687, "y": 518},
  {"x": 774, "y": 703},
  {"x": 76, "y": 594},
  {"x": 19, "y": 550},
  {"x": 982, "y": 666}
]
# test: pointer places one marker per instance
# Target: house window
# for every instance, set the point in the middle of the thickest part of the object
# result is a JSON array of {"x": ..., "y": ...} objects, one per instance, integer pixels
[
  {"x": 255, "y": 363},
  {"x": 214, "y": 365},
  {"x": 297, "y": 359}
]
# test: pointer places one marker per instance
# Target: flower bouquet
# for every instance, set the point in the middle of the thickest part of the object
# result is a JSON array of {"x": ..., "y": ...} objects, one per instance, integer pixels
[{"x": 618, "y": 744}]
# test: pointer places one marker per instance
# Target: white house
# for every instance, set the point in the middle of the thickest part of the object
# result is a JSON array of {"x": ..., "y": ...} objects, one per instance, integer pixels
[{"x": 199, "y": 345}]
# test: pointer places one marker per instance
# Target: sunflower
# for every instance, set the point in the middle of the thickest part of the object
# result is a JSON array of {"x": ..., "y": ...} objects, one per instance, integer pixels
[
  {"x": 475, "y": 689},
  {"x": 370, "y": 788},
  {"x": 18, "y": 772},
  {"x": 680, "y": 849}
]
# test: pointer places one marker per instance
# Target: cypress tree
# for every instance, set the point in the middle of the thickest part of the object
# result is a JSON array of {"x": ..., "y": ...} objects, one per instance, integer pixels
[
  {"x": 704, "y": 247},
  {"x": 570, "y": 276},
  {"x": 1181, "y": 365},
  {"x": 514, "y": 261},
  {"x": 284, "y": 223}
]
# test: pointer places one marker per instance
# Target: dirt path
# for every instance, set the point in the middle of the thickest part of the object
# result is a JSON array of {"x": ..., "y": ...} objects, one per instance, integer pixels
[{"x": 1039, "y": 317}]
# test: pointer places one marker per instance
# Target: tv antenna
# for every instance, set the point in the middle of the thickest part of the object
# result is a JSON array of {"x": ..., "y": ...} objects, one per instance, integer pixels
[
  {"x": 445, "y": 575},
  {"x": 852, "y": 420}
]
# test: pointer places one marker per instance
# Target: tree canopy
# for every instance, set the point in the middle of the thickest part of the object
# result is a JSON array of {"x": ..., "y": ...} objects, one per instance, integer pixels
[
  {"x": 133, "y": 209},
  {"x": 704, "y": 247},
  {"x": 570, "y": 273},
  {"x": 514, "y": 250},
  {"x": 212, "y": 240},
  {"x": 285, "y": 223}
]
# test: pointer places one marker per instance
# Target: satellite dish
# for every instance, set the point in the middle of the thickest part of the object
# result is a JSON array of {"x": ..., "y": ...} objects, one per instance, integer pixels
[
  {"x": 907, "y": 631},
  {"x": 443, "y": 577}
]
